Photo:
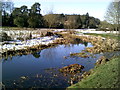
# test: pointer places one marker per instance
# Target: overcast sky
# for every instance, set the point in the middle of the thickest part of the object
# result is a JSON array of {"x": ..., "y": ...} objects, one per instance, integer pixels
[{"x": 95, "y": 8}]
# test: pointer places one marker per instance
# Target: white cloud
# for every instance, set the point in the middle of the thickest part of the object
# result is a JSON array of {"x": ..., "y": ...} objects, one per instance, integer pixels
[
  {"x": 75, "y": 0},
  {"x": 25, "y": 0},
  {"x": 61, "y": 0}
]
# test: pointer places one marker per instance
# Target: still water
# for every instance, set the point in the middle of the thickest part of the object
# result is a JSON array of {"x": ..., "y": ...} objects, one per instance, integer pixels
[{"x": 41, "y": 69}]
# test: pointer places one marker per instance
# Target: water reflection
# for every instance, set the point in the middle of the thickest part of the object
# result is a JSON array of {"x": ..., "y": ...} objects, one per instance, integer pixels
[
  {"x": 36, "y": 54},
  {"x": 86, "y": 44},
  {"x": 51, "y": 52},
  {"x": 79, "y": 41}
]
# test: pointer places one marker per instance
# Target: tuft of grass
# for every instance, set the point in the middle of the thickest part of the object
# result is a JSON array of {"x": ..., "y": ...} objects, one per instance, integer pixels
[{"x": 103, "y": 76}]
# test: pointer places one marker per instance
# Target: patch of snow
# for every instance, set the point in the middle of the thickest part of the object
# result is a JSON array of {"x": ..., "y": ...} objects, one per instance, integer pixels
[
  {"x": 94, "y": 31},
  {"x": 17, "y": 44}
]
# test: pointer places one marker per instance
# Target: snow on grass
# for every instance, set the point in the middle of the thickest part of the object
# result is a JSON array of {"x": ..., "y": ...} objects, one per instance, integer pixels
[
  {"x": 94, "y": 31},
  {"x": 17, "y": 45}
]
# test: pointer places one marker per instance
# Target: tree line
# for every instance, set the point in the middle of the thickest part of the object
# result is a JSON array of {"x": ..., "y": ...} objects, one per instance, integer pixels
[{"x": 24, "y": 17}]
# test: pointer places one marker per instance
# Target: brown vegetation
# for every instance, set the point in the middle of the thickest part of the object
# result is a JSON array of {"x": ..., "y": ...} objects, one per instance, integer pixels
[
  {"x": 82, "y": 54},
  {"x": 99, "y": 43},
  {"x": 102, "y": 60},
  {"x": 71, "y": 69}
]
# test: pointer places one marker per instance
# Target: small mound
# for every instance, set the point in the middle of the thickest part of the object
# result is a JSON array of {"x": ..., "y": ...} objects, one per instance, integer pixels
[{"x": 71, "y": 69}]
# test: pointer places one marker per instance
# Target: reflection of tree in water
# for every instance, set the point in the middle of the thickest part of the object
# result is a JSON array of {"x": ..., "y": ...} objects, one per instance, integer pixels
[
  {"x": 85, "y": 43},
  {"x": 79, "y": 41},
  {"x": 36, "y": 54}
]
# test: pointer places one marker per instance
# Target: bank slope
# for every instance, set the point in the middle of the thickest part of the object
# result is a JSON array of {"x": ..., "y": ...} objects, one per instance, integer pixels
[{"x": 103, "y": 76}]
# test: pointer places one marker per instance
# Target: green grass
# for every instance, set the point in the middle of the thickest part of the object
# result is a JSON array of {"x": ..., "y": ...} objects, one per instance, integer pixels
[
  {"x": 114, "y": 36},
  {"x": 103, "y": 76}
]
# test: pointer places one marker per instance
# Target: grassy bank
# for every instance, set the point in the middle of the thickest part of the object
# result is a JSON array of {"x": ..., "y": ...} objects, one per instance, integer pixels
[{"x": 103, "y": 76}]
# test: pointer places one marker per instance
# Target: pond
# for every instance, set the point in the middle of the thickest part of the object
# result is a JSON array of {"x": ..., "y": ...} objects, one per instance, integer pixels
[{"x": 41, "y": 69}]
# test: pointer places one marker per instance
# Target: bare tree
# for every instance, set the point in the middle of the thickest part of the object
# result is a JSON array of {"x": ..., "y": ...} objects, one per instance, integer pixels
[
  {"x": 72, "y": 22},
  {"x": 113, "y": 14},
  {"x": 51, "y": 19}
]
